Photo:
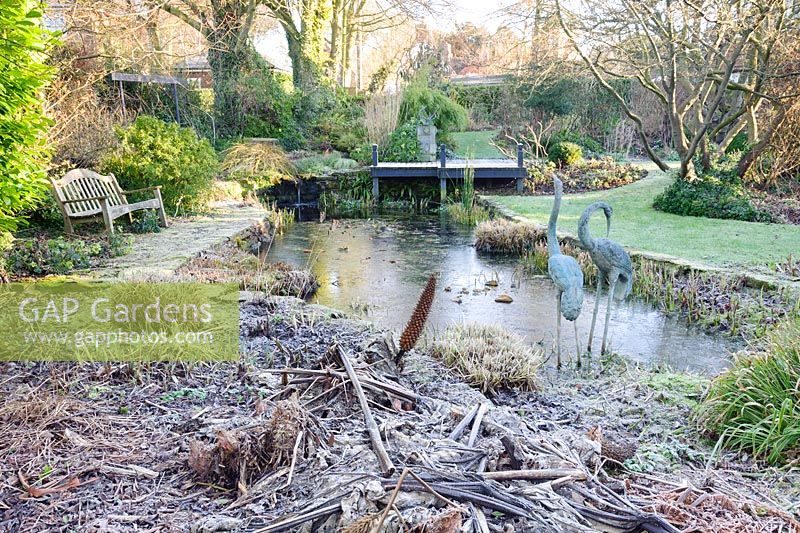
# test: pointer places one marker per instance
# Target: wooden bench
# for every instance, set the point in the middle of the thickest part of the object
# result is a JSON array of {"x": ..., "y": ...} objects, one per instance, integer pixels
[{"x": 85, "y": 195}]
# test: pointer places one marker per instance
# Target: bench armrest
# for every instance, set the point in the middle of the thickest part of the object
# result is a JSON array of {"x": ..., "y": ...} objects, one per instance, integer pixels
[
  {"x": 156, "y": 187},
  {"x": 91, "y": 198}
]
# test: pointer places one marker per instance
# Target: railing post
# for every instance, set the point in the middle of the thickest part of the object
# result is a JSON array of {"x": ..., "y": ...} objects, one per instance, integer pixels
[
  {"x": 442, "y": 173},
  {"x": 520, "y": 165},
  {"x": 375, "y": 190}
]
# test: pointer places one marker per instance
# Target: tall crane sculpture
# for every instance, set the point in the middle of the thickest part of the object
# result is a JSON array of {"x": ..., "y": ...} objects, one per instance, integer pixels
[
  {"x": 566, "y": 273},
  {"x": 613, "y": 264}
]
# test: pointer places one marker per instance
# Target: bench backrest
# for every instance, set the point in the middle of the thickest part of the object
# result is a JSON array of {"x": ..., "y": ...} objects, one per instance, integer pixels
[{"x": 80, "y": 184}]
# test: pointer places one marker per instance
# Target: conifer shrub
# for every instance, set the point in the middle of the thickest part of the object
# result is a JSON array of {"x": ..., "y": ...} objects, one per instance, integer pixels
[
  {"x": 565, "y": 154},
  {"x": 152, "y": 152}
]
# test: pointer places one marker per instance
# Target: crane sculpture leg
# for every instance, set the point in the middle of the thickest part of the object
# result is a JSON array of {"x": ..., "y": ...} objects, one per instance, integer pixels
[
  {"x": 558, "y": 330},
  {"x": 613, "y": 263},
  {"x": 613, "y": 279},
  {"x": 558, "y": 334},
  {"x": 596, "y": 309}
]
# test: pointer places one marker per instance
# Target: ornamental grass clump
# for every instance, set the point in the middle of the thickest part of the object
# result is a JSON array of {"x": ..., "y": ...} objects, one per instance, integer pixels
[
  {"x": 489, "y": 357},
  {"x": 257, "y": 165},
  {"x": 501, "y": 236},
  {"x": 754, "y": 406}
]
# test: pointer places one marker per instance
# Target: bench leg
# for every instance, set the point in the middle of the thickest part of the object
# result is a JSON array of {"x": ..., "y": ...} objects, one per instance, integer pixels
[
  {"x": 109, "y": 222},
  {"x": 162, "y": 215},
  {"x": 68, "y": 225}
]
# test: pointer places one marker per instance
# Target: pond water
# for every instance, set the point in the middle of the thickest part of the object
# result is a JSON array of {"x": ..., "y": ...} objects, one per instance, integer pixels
[{"x": 378, "y": 267}]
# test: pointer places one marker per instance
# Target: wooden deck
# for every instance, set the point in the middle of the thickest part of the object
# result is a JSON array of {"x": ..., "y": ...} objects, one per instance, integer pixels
[{"x": 445, "y": 169}]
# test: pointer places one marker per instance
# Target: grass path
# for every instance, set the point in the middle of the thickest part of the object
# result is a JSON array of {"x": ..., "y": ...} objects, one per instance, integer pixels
[
  {"x": 476, "y": 144},
  {"x": 156, "y": 255},
  {"x": 722, "y": 243}
]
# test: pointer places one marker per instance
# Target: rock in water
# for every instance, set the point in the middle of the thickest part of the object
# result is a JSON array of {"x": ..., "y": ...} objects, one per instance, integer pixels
[{"x": 504, "y": 299}]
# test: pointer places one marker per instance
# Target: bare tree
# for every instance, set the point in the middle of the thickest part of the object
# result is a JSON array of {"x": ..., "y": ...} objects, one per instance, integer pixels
[
  {"x": 706, "y": 61},
  {"x": 352, "y": 20}
]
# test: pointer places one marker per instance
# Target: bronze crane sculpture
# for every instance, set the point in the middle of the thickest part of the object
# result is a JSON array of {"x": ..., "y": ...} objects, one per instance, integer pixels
[
  {"x": 566, "y": 273},
  {"x": 613, "y": 264}
]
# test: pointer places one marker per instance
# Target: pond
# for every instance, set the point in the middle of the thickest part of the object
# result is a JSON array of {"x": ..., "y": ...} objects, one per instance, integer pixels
[{"x": 378, "y": 267}]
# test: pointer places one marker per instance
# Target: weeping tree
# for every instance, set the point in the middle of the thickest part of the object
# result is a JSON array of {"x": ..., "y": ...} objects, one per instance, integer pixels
[{"x": 708, "y": 63}]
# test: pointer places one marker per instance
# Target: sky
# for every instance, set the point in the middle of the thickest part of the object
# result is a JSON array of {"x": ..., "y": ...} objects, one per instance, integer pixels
[{"x": 478, "y": 12}]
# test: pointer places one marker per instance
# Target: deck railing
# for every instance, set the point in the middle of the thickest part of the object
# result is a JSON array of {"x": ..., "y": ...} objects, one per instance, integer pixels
[{"x": 483, "y": 169}]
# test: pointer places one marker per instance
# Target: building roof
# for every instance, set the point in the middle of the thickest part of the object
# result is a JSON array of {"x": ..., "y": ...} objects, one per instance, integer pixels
[{"x": 481, "y": 80}]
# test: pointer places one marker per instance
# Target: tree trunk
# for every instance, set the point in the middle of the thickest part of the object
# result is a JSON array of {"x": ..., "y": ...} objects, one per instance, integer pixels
[
  {"x": 230, "y": 54},
  {"x": 752, "y": 123},
  {"x": 359, "y": 42},
  {"x": 705, "y": 155},
  {"x": 346, "y": 48},
  {"x": 687, "y": 170},
  {"x": 228, "y": 64},
  {"x": 156, "y": 60},
  {"x": 306, "y": 44},
  {"x": 345, "y": 45},
  {"x": 333, "y": 70},
  {"x": 305, "y": 72},
  {"x": 757, "y": 149}
]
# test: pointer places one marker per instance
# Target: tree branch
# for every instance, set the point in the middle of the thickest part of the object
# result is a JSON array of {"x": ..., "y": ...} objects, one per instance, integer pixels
[
  {"x": 637, "y": 120},
  {"x": 194, "y": 23}
]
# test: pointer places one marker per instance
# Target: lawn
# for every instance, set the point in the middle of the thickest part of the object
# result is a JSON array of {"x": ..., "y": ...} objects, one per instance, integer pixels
[
  {"x": 476, "y": 144},
  {"x": 636, "y": 224}
]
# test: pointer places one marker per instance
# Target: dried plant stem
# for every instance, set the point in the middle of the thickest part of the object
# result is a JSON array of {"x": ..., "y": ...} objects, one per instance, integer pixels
[
  {"x": 477, "y": 425},
  {"x": 462, "y": 425},
  {"x": 545, "y": 474},
  {"x": 390, "y": 503},
  {"x": 416, "y": 324},
  {"x": 387, "y": 467}
]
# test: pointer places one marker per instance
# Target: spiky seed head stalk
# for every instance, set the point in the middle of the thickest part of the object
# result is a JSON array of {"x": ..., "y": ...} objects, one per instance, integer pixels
[{"x": 416, "y": 324}]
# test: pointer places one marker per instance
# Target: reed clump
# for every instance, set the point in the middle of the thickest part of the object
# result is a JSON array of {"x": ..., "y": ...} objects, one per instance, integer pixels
[
  {"x": 381, "y": 113},
  {"x": 754, "y": 406},
  {"x": 501, "y": 236},
  {"x": 468, "y": 217},
  {"x": 466, "y": 211},
  {"x": 279, "y": 219},
  {"x": 489, "y": 357}
]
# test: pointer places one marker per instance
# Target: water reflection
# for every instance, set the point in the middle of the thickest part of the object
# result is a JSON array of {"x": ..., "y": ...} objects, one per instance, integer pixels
[{"x": 379, "y": 266}]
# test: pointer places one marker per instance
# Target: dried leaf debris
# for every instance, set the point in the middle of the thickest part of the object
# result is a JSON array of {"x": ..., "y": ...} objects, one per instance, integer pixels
[{"x": 282, "y": 442}]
